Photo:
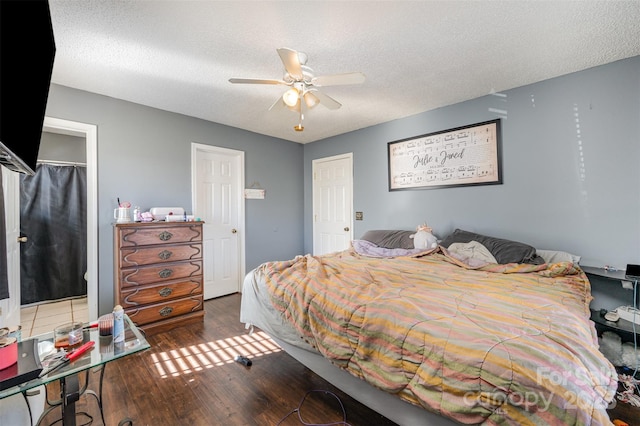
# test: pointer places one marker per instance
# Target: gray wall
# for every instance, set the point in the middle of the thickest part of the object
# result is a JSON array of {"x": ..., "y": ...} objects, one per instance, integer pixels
[
  {"x": 144, "y": 156},
  {"x": 571, "y": 169},
  {"x": 59, "y": 147},
  {"x": 570, "y": 155}
]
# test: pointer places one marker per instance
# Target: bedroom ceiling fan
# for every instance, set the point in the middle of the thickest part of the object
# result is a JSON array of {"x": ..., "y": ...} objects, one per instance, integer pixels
[{"x": 303, "y": 85}]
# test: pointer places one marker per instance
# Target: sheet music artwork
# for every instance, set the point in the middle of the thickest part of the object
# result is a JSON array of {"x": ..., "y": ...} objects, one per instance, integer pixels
[{"x": 463, "y": 156}]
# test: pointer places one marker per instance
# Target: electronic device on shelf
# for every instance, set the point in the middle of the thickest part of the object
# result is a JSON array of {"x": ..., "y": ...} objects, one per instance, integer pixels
[
  {"x": 629, "y": 313},
  {"x": 632, "y": 272}
]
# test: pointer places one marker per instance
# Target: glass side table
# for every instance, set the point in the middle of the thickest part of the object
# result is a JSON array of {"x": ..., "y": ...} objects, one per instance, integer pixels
[{"x": 103, "y": 352}]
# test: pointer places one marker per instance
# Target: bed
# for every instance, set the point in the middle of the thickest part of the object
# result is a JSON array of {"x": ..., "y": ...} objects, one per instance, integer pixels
[{"x": 474, "y": 331}]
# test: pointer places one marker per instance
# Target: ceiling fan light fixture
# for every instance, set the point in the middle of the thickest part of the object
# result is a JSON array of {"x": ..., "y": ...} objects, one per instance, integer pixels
[
  {"x": 310, "y": 99},
  {"x": 291, "y": 96},
  {"x": 302, "y": 94}
]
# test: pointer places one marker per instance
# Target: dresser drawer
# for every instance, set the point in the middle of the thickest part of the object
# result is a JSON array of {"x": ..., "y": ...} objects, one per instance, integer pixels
[
  {"x": 159, "y": 273},
  {"x": 141, "y": 236},
  {"x": 163, "y": 311},
  {"x": 136, "y": 256},
  {"x": 136, "y": 296}
]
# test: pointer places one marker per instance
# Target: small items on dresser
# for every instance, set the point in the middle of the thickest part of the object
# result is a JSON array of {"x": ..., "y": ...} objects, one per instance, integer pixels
[
  {"x": 137, "y": 214},
  {"x": 121, "y": 214}
]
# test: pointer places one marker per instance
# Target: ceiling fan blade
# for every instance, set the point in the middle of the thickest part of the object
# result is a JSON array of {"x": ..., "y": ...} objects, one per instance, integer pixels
[
  {"x": 326, "y": 100},
  {"x": 338, "y": 79},
  {"x": 291, "y": 62},
  {"x": 255, "y": 81}
]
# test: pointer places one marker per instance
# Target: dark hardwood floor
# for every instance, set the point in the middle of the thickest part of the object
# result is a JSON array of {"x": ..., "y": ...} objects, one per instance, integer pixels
[{"x": 188, "y": 377}]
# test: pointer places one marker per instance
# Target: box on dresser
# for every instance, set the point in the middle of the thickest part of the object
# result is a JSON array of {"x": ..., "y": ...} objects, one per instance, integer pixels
[{"x": 158, "y": 273}]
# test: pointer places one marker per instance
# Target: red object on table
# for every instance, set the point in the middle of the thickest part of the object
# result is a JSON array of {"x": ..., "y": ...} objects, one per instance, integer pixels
[{"x": 81, "y": 350}]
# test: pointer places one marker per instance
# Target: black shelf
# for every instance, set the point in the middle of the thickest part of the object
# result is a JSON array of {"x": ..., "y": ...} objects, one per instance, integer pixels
[
  {"x": 622, "y": 327},
  {"x": 616, "y": 275}
]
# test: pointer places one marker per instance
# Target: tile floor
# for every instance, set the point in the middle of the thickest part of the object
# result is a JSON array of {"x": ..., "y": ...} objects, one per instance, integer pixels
[{"x": 43, "y": 318}]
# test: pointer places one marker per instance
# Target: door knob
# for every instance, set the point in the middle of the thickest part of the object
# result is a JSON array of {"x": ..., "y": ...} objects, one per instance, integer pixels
[
  {"x": 346, "y": 228},
  {"x": 234, "y": 231},
  {"x": 22, "y": 239}
]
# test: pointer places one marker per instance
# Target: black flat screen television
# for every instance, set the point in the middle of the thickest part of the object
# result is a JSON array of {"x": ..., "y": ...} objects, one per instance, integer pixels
[{"x": 27, "y": 51}]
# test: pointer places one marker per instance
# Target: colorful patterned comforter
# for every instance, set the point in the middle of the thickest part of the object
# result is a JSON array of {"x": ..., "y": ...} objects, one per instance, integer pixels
[{"x": 496, "y": 344}]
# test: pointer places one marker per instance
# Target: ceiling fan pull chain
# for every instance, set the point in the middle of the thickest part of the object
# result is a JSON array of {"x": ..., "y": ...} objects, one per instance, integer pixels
[{"x": 299, "y": 127}]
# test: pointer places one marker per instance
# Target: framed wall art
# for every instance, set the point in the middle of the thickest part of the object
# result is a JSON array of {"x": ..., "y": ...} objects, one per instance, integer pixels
[{"x": 469, "y": 155}]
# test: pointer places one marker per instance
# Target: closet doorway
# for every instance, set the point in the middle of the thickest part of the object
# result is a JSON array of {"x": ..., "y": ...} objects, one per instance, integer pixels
[{"x": 59, "y": 209}]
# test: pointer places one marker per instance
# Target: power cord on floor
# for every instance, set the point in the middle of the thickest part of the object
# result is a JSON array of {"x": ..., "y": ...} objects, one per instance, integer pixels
[{"x": 299, "y": 408}]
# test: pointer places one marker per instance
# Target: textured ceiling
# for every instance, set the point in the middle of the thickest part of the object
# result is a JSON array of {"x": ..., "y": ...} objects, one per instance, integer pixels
[{"x": 417, "y": 55}]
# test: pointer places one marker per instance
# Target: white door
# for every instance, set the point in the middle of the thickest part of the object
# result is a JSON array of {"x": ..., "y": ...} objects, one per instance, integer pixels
[
  {"x": 10, "y": 308},
  {"x": 218, "y": 182},
  {"x": 332, "y": 203}
]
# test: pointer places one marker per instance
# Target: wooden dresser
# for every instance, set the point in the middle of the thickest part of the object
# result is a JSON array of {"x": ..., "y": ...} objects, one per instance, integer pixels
[{"x": 158, "y": 273}]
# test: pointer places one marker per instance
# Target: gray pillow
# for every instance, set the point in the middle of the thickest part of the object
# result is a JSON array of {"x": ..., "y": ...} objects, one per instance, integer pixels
[
  {"x": 505, "y": 251},
  {"x": 389, "y": 238}
]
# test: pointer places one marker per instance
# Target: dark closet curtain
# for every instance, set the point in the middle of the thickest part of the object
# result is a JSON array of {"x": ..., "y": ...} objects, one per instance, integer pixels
[
  {"x": 53, "y": 217},
  {"x": 4, "y": 279}
]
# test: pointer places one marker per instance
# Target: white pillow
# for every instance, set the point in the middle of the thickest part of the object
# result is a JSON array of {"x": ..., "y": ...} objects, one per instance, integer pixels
[
  {"x": 472, "y": 250},
  {"x": 555, "y": 256}
]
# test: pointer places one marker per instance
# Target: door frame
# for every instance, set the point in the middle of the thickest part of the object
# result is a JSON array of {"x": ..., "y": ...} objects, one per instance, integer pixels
[
  {"x": 195, "y": 148},
  {"x": 345, "y": 156},
  {"x": 10, "y": 308},
  {"x": 90, "y": 134}
]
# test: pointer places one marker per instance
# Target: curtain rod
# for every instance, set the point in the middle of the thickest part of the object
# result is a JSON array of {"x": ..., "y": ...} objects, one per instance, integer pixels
[{"x": 61, "y": 163}]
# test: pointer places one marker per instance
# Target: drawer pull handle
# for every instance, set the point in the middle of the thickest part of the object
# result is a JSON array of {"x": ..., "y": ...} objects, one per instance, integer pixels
[
  {"x": 164, "y": 254},
  {"x": 165, "y": 273},
  {"x": 165, "y": 235},
  {"x": 165, "y": 292},
  {"x": 165, "y": 311}
]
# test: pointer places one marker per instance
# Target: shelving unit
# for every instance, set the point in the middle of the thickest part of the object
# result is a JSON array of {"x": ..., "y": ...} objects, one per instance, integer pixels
[
  {"x": 622, "y": 327},
  {"x": 616, "y": 275}
]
